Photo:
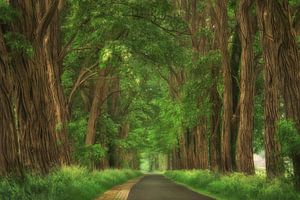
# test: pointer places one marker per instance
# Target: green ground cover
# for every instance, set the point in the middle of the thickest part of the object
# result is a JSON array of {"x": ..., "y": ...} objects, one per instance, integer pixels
[
  {"x": 235, "y": 186},
  {"x": 68, "y": 183}
]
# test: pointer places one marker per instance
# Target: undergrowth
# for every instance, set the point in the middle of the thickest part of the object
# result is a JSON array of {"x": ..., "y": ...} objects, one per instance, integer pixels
[
  {"x": 235, "y": 186},
  {"x": 68, "y": 183}
]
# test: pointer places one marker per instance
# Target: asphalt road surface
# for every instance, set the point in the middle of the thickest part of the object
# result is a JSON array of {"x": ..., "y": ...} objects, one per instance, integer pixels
[{"x": 157, "y": 187}]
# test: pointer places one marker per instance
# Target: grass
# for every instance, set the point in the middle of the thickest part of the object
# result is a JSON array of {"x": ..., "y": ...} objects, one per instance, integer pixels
[
  {"x": 235, "y": 186},
  {"x": 68, "y": 183}
]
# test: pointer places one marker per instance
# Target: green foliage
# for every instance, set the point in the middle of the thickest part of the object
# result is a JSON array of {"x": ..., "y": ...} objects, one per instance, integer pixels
[
  {"x": 18, "y": 44},
  {"x": 288, "y": 137},
  {"x": 7, "y": 13},
  {"x": 67, "y": 183},
  {"x": 235, "y": 186},
  {"x": 87, "y": 155},
  {"x": 67, "y": 80}
]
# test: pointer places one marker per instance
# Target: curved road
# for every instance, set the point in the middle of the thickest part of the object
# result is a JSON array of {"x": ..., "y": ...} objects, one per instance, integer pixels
[{"x": 157, "y": 187}]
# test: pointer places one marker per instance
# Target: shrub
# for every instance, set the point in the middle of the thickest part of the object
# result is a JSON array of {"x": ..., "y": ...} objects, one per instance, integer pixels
[
  {"x": 76, "y": 183},
  {"x": 235, "y": 186}
]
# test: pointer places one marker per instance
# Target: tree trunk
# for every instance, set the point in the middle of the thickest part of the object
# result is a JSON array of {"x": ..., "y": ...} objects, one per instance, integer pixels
[
  {"x": 201, "y": 146},
  {"x": 277, "y": 30},
  {"x": 215, "y": 121},
  {"x": 274, "y": 162},
  {"x": 221, "y": 10},
  {"x": 9, "y": 147},
  {"x": 244, "y": 150},
  {"x": 98, "y": 99},
  {"x": 41, "y": 121}
]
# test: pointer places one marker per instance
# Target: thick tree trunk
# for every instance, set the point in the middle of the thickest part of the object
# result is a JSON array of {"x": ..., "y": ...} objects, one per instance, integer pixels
[
  {"x": 226, "y": 160},
  {"x": 99, "y": 95},
  {"x": 244, "y": 150},
  {"x": 54, "y": 68},
  {"x": 9, "y": 147},
  {"x": 41, "y": 121},
  {"x": 277, "y": 29},
  {"x": 274, "y": 162},
  {"x": 215, "y": 121}
]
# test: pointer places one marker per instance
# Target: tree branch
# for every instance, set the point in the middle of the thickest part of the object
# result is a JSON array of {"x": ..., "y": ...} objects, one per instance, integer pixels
[
  {"x": 46, "y": 20},
  {"x": 84, "y": 75}
]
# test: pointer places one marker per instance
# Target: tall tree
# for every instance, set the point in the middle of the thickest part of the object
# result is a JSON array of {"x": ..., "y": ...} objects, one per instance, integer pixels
[
  {"x": 280, "y": 43},
  {"x": 274, "y": 162},
  {"x": 41, "y": 119},
  {"x": 244, "y": 150},
  {"x": 222, "y": 26},
  {"x": 99, "y": 96}
]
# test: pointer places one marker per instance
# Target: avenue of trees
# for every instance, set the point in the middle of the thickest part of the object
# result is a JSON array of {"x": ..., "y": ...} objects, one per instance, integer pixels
[{"x": 204, "y": 84}]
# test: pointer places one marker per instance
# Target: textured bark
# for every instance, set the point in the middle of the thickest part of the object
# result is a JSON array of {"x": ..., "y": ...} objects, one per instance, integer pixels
[
  {"x": 40, "y": 114},
  {"x": 216, "y": 103},
  {"x": 201, "y": 146},
  {"x": 274, "y": 162},
  {"x": 9, "y": 147},
  {"x": 215, "y": 121},
  {"x": 222, "y": 18},
  {"x": 197, "y": 148},
  {"x": 277, "y": 29},
  {"x": 99, "y": 95},
  {"x": 244, "y": 150}
]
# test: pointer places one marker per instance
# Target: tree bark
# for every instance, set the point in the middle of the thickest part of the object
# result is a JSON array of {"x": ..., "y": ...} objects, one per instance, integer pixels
[
  {"x": 274, "y": 162},
  {"x": 277, "y": 29},
  {"x": 39, "y": 108},
  {"x": 9, "y": 147},
  {"x": 226, "y": 160},
  {"x": 215, "y": 121},
  {"x": 244, "y": 150},
  {"x": 99, "y": 95}
]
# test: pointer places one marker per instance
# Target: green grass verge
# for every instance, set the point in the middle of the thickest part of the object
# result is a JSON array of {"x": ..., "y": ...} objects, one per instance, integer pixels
[
  {"x": 235, "y": 186},
  {"x": 68, "y": 183}
]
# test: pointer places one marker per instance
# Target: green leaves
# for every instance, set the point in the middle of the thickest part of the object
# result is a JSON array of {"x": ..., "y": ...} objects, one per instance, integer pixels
[
  {"x": 288, "y": 137},
  {"x": 7, "y": 13},
  {"x": 18, "y": 44}
]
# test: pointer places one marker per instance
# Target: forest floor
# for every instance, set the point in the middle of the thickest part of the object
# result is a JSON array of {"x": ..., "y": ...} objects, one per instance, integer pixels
[{"x": 152, "y": 187}]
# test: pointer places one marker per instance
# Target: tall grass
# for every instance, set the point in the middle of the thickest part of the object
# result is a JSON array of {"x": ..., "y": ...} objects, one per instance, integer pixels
[
  {"x": 235, "y": 186},
  {"x": 68, "y": 183}
]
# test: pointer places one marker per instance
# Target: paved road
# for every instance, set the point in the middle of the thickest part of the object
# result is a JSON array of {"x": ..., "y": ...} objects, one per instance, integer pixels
[{"x": 157, "y": 187}]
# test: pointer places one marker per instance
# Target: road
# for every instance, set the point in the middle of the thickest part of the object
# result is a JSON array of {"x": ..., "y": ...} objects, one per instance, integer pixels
[{"x": 157, "y": 187}]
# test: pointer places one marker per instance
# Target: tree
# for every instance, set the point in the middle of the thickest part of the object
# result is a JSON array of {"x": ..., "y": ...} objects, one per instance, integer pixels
[
  {"x": 244, "y": 148},
  {"x": 226, "y": 160},
  {"x": 281, "y": 50},
  {"x": 33, "y": 40}
]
